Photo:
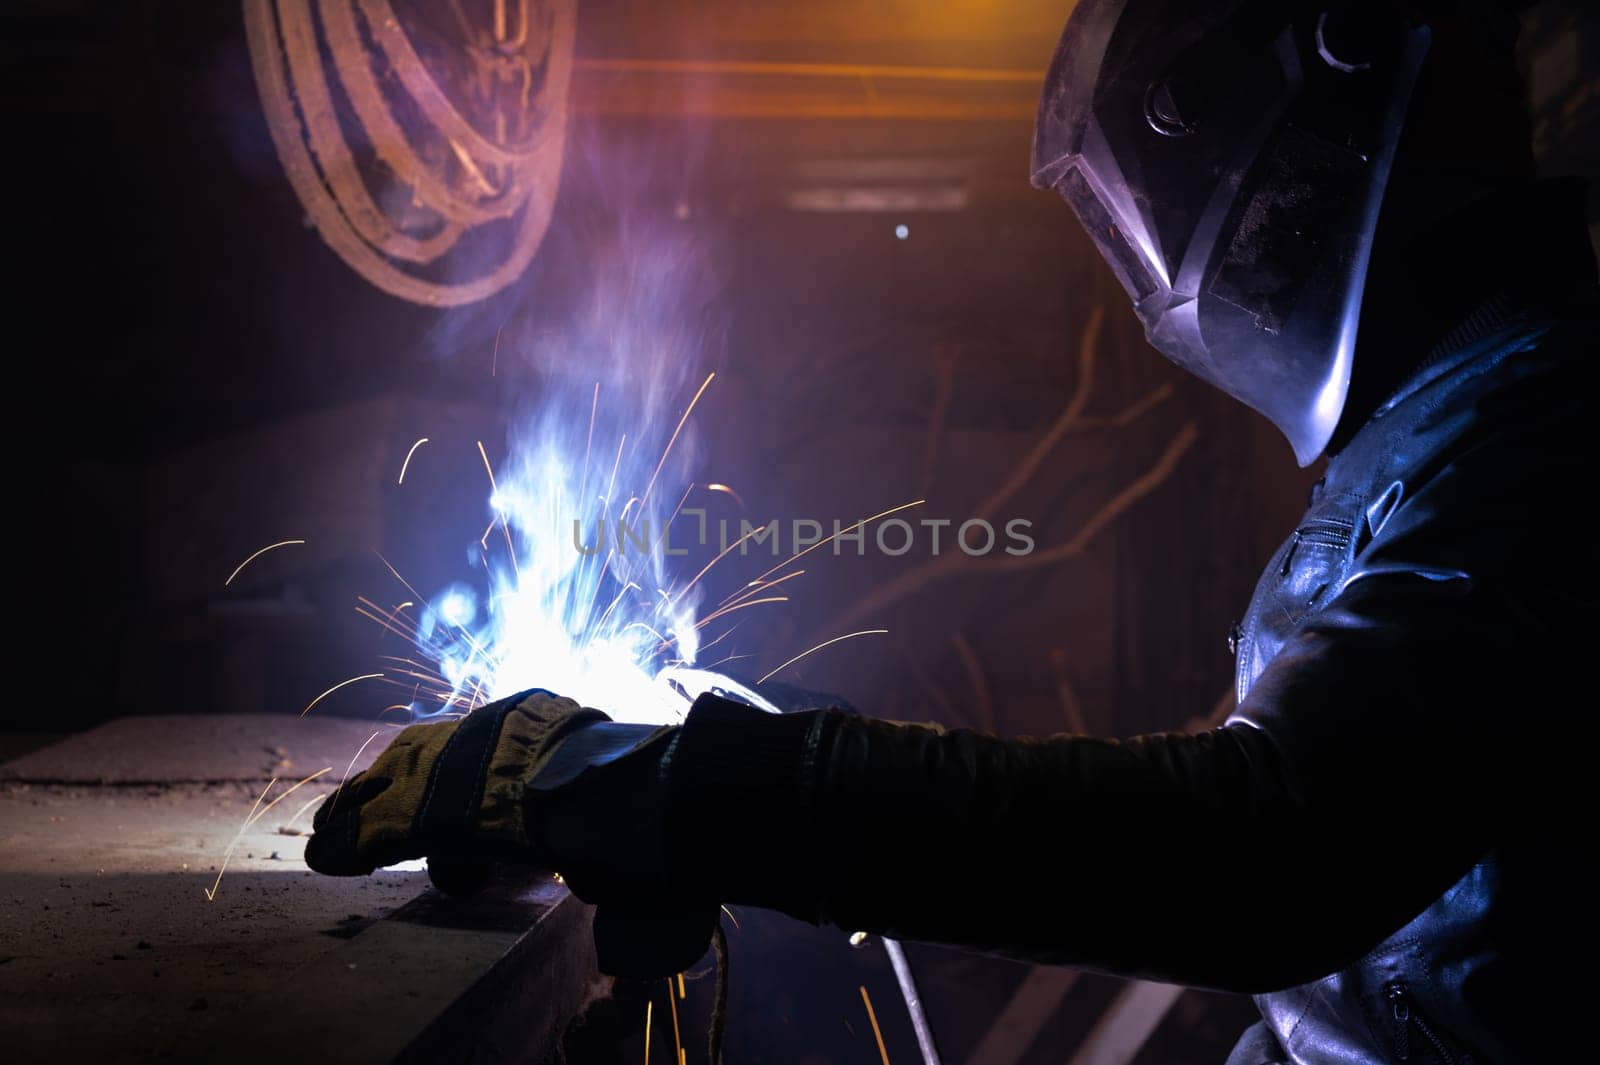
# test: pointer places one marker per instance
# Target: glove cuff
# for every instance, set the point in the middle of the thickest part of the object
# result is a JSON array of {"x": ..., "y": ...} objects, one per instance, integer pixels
[
  {"x": 528, "y": 731},
  {"x": 739, "y": 824}
]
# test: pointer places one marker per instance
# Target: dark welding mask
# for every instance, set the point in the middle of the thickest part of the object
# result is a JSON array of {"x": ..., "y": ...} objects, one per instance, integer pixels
[{"x": 1229, "y": 158}]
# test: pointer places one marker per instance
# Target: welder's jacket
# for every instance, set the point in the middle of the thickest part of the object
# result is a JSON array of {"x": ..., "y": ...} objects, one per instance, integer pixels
[{"x": 1384, "y": 842}]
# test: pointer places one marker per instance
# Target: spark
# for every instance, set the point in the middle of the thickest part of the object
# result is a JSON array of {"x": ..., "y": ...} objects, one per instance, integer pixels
[
  {"x": 288, "y": 792},
  {"x": 611, "y": 484},
  {"x": 504, "y": 527},
  {"x": 336, "y": 687},
  {"x": 588, "y": 443},
  {"x": 396, "y": 575},
  {"x": 406, "y": 464},
  {"x": 388, "y": 620},
  {"x": 755, "y": 587},
  {"x": 863, "y": 523},
  {"x": 489, "y": 469},
  {"x": 252, "y": 818},
  {"x": 729, "y": 632},
  {"x": 677, "y": 1039},
  {"x": 674, "y": 439},
  {"x": 298, "y": 814},
  {"x": 258, "y": 554},
  {"x": 711, "y": 666},
  {"x": 877, "y": 1033},
  {"x": 729, "y": 491},
  {"x": 334, "y": 802},
  {"x": 648, "y": 1010},
  {"x": 211, "y": 892},
  {"x": 682, "y": 993},
  {"x": 820, "y": 646},
  {"x": 666, "y": 526},
  {"x": 707, "y": 567},
  {"x": 626, "y": 588},
  {"x": 709, "y": 618}
]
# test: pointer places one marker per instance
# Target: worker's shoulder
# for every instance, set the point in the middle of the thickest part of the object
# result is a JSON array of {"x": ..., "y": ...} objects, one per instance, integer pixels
[{"x": 1518, "y": 400}]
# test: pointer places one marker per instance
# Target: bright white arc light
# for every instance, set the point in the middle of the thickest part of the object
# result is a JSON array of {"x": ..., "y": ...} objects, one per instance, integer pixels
[{"x": 595, "y": 617}]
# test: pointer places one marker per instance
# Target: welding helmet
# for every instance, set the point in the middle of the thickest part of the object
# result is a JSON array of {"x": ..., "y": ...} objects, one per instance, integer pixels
[{"x": 1229, "y": 158}]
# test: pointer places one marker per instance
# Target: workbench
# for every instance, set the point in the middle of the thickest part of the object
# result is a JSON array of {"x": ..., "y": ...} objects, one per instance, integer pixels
[{"x": 118, "y": 942}]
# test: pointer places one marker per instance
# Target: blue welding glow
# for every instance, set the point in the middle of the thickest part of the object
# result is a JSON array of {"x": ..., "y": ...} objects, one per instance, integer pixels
[{"x": 611, "y": 440}]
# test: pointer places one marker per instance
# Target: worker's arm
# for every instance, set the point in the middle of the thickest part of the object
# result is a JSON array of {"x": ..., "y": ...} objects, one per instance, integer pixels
[{"x": 1248, "y": 857}]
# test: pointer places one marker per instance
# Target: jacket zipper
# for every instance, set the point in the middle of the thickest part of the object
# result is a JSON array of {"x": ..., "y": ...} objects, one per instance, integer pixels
[
  {"x": 1331, "y": 532},
  {"x": 1406, "y": 1018},
  {"x": 1321, "y": 532}
]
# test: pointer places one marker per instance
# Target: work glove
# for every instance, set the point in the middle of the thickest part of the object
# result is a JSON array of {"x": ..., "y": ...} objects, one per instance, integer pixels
[{"x": 534, "y": 778}]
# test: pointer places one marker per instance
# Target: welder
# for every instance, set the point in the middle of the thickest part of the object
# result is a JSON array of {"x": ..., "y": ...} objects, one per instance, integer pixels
[{"x": 1328, "y": 211}]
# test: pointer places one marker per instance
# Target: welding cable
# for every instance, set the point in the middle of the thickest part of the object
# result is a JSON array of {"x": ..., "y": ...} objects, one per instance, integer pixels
[
  {"x": 390, "y": 141},
  {"x": 295, "y": 97},
  {"x": 332, "y": 153},
  {"x": 412, "y": 74}
]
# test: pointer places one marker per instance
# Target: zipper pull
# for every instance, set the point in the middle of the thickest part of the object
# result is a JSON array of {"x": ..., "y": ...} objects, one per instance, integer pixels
[{"x": 1400, "y": 1006}]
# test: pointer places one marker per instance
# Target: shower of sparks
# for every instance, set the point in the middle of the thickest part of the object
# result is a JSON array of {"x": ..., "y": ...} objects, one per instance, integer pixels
[
  {"x": 577, "y": 592},
  {"x": 407, "y": 463},
  {"x": 818, "y": 647},
  {"x": 606, "y": 625},
  {"x": 240, "y": 567},
  {"x": 877, "y": 1033}
]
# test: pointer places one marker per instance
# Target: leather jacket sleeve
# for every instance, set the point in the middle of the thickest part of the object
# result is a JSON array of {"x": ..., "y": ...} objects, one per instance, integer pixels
[
  {"x": 1228, "y": 859},
  {"x": 1373, "y": 762}
]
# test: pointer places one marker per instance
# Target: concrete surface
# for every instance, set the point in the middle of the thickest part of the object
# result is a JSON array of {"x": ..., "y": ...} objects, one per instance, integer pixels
[
  {"x": 112, "y": 950},
  {"x": 192, "y": 748}
]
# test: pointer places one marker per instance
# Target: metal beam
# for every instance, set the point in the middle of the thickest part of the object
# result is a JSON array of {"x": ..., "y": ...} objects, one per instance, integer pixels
[{"x": 749, "y": 89}]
